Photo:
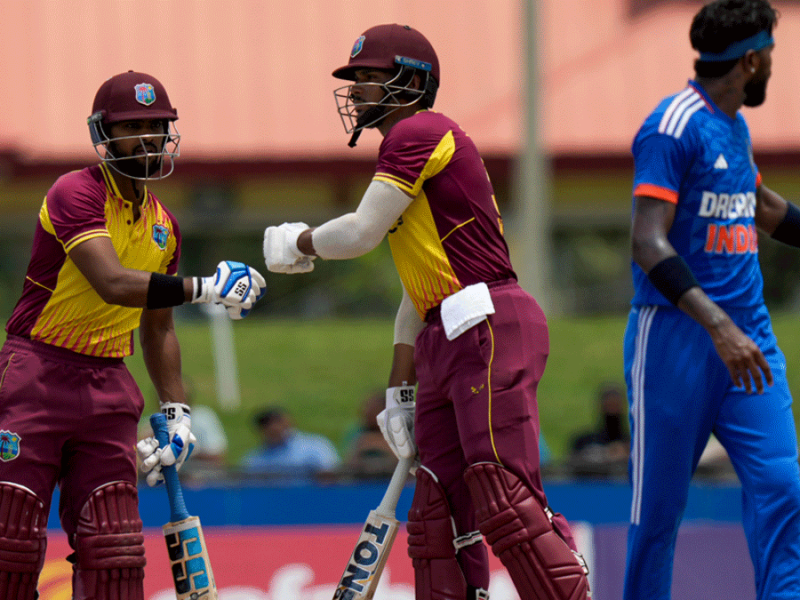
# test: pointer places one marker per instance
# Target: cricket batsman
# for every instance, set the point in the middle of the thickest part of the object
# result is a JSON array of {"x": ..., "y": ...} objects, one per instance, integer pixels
[
  {"x": 468, "y": 339},
  {"x": 104, "y": 263}
]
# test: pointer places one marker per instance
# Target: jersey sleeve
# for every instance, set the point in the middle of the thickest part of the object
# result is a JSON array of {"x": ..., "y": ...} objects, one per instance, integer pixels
[
  {"x": 74, "y": 213},
  {"x": 660, "y": 161}
]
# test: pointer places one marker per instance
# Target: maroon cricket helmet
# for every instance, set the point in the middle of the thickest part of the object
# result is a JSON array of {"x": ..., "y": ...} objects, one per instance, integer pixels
[
  {"x": 129, "y": 96},
  {"x": 387, "y": 47}
]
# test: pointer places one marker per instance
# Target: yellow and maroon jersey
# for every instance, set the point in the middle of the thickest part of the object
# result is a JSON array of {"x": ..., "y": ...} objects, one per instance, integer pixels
[
  {"x": 451, "y": 235},
  {"x": 58, "y": 306}
]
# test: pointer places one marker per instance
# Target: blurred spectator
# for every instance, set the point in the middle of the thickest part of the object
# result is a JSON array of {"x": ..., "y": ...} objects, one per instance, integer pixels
[
  {"x": 212, "y": 443},
  {"x": 287, "y": 455},
  {"x": 367, "y": 454},
  {"x": 605, "y": 449}
]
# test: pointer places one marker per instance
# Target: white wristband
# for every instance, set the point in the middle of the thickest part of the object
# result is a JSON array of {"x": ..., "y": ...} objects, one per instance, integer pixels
[
  {"x": 401, "y": 395},
  {"x": 202, "y": 290}
]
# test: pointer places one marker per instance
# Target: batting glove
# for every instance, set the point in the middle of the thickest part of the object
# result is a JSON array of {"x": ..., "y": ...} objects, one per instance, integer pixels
[
  {"x": 396, "y": 421},
  {"x": 280, "y": 249},
  {"x": 181, "y": 444},
  {"x": 235, "y": 285}
]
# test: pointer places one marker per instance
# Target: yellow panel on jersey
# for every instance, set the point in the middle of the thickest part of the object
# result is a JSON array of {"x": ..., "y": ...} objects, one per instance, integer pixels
[
  {"x": 75, "y": 316},
  {"x": 416, "y": 246},
  {"x": 420, "y": 257}
]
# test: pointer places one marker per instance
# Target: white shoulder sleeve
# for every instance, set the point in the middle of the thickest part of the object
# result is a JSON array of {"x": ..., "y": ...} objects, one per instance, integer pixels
[
  {"x": 407, "y": 323},
  {"x": 357, "y": 233}
]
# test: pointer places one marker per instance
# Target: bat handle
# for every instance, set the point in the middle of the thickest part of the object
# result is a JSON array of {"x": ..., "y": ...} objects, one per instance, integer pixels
[
  {"x": 177, "y": 505},
  {"x": 389, "y": 501}
]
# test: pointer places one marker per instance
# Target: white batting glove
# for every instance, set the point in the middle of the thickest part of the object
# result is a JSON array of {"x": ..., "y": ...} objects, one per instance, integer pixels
[
  {"x": 235, "y": 285},
  {"x": 149, "y": 457},
  {"x": 181, "y": 443},
  {"x": 396, "y": 421},
  {"x": 280, "y": 249}
]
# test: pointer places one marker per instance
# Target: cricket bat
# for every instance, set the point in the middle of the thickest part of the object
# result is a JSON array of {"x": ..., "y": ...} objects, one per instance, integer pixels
[
  {"x": 186, "y": 546},
  {"x": 360, "y": 579}
]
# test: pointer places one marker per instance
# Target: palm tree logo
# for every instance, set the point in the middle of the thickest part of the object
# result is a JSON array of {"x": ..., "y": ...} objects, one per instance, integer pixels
[{"x": 9, "y": 445}]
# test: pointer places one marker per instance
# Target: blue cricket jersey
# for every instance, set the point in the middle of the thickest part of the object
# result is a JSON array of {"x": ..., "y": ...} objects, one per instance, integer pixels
[{"x": 692, "y": 154}]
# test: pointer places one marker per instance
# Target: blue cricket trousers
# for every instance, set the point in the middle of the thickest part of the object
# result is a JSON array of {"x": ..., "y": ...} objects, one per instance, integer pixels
[{"x": 680, "y": 392}]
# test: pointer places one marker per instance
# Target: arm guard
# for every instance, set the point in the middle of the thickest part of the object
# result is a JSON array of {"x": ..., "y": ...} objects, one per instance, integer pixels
[{"x": 357, "y": 233}]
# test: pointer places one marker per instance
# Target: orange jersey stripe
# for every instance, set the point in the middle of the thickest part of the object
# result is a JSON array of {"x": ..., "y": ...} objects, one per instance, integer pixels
[{"x": 656, "y": 191}]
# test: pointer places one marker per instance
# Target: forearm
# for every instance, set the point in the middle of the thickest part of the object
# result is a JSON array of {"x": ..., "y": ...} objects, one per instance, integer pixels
[
  {"x": 235, "y": 285},
  {"x": 696, "y": 303},
  {"x": 741, "y": 355},
  {"x": 97, "y": 260},
  {"x": 673, "y": 278},
  {"x": 345, "y": 237},
  {"x": 357, "y": 233},
  {"x": 407, "y": 325},
  {"x": 162, "y": 355},
  {"x": 142, "y": 289},
  {"x": 403, "y": 371}
]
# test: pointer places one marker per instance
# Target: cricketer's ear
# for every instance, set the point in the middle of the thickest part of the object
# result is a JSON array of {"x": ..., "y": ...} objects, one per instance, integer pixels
[{"x": 751, "y": 62}]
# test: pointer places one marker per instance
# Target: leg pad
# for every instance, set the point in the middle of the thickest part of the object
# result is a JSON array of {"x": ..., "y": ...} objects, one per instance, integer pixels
[
  {"x": 23, "y": 541},
  {"x": 109, "y": 545},
  {"x": 540, "y": 563},
  {"x": 431, "y": 534}
]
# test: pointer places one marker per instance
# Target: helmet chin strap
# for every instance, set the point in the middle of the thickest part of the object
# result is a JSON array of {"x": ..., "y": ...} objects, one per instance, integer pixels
[{"x": 369, "y": 115}]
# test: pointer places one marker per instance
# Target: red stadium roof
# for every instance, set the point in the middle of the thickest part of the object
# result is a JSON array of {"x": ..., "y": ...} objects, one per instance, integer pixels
[{"x": 251, "y": 79}]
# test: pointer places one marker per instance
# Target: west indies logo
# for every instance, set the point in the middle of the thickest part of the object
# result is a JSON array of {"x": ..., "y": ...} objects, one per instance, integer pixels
[
  {"x": 357, "y": 47},
  {"x": 160, "y": 236},
  {"x": 145, "y": 93},
  {"x": 9, "y": 445}
]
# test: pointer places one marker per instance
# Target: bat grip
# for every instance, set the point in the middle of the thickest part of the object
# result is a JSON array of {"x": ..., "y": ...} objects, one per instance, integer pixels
[
  {"x": 177, "y": 505},
  {"x": 388, "y": 503}
]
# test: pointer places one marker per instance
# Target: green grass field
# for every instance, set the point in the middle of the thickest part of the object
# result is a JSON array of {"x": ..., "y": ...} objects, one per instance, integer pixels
[{"x": 322, "y": 369}]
